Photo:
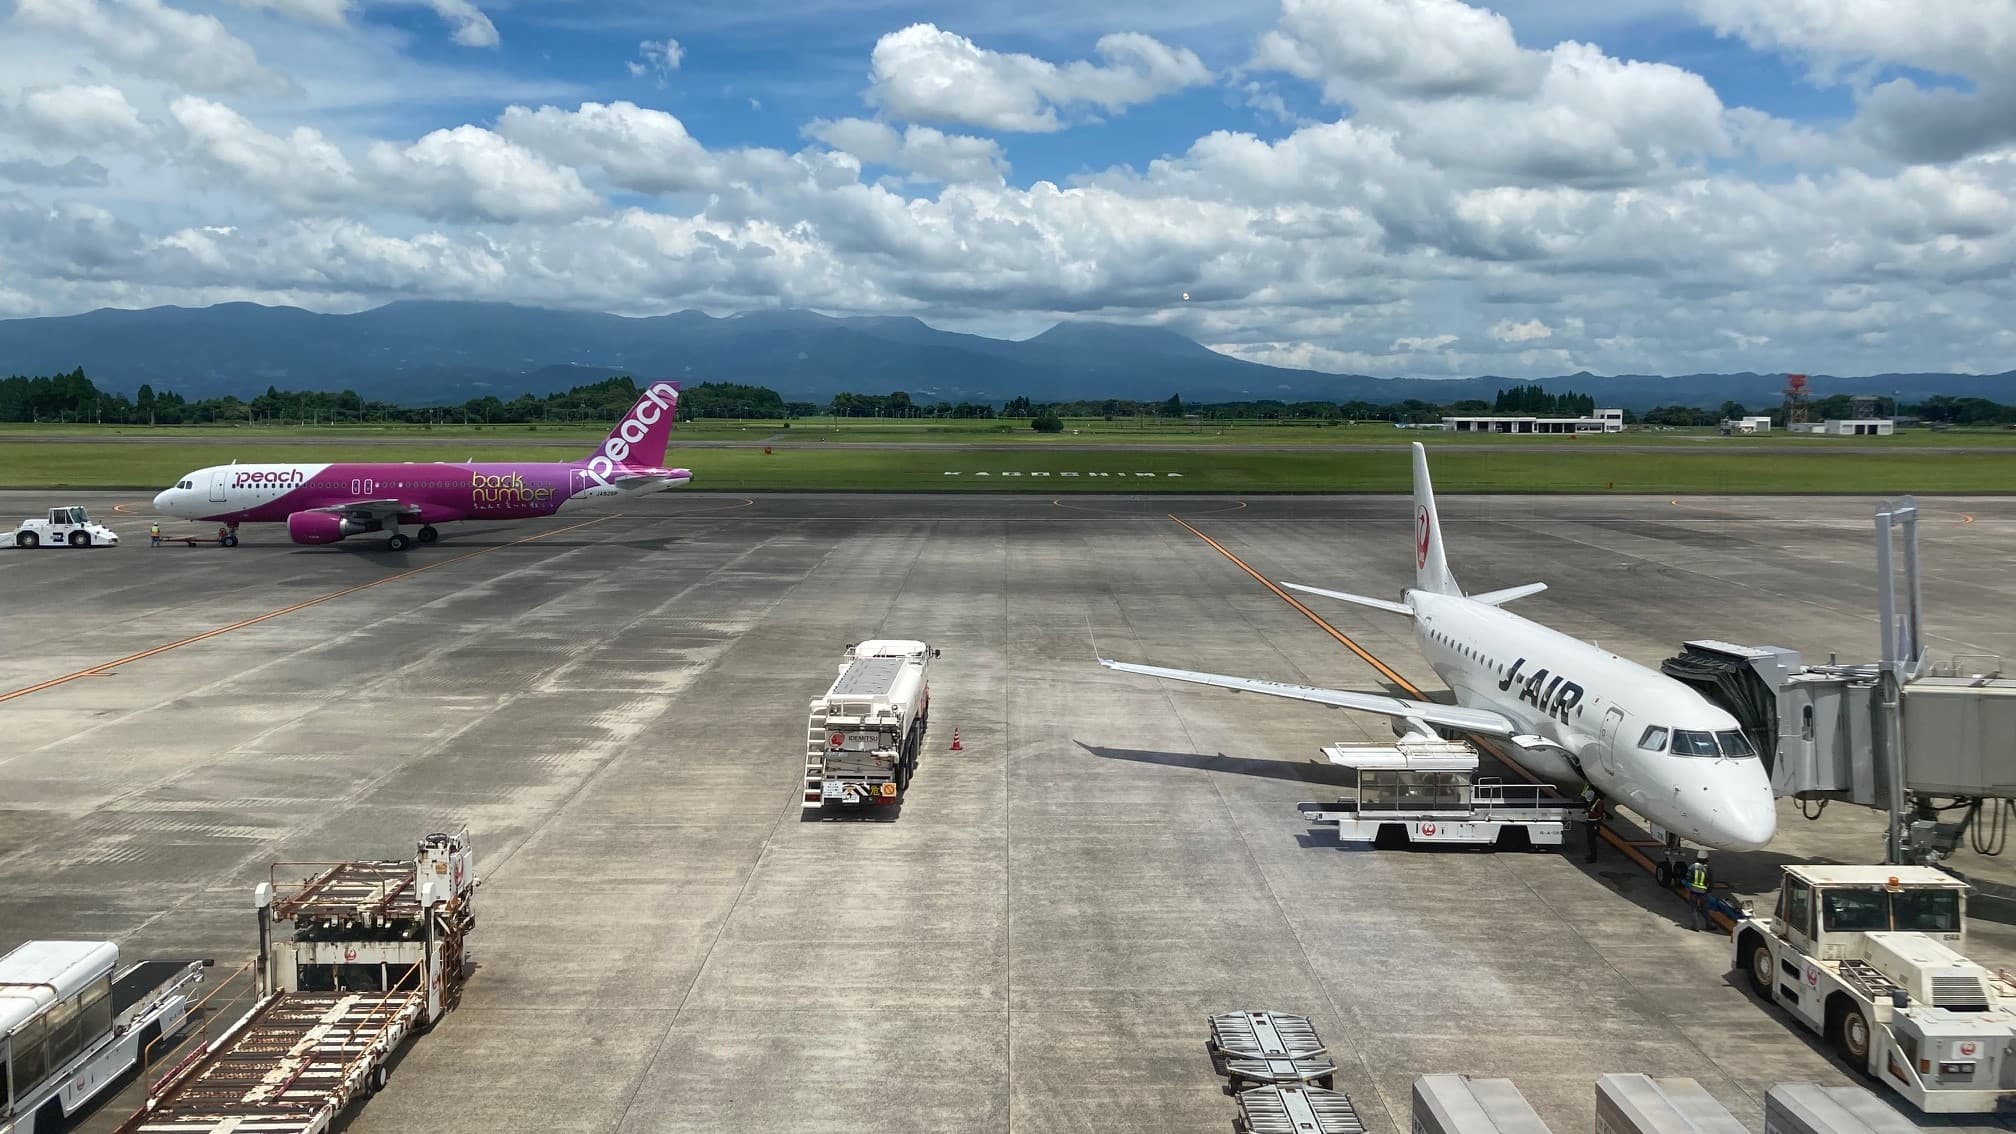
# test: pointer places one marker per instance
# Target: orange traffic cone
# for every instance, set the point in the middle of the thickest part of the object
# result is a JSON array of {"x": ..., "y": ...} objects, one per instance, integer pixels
[{"x": 956, "y": 746}]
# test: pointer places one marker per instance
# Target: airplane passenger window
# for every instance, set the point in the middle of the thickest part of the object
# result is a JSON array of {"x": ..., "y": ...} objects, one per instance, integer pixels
[
  {"x": 1689, "y": 743},
  {"x": 1735, "y": 744},
  {"x": 1654, "y": 739}
]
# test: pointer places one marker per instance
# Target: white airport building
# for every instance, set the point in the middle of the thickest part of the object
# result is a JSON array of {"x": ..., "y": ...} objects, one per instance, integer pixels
[
  {"x": 1858, "y": 427},
  {"x": 1602, "y": 421}
]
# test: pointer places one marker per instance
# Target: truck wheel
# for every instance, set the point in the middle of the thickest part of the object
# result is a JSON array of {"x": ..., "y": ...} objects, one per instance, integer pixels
[
  {"x": 80, "y": 539},
  {"x": 27, "y": 539},
  {"x": 1763, "y": 969},
  {"x": 1852, "y": 1035}
]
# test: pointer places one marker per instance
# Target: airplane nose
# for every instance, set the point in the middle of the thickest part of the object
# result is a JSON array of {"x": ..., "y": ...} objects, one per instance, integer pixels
[
  {"x": 161, "y": 500},
  {"x": 1746, "y": 824}
]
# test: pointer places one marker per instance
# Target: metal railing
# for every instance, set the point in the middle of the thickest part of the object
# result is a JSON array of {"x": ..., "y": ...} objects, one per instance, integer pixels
[{"x": 201, "y": 1033}]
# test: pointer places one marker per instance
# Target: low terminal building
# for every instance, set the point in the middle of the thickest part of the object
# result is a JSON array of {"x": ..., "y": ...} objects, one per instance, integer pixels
[
  {"x": 1863, "y": 427},
  {"x": 1755, "y": 423},
  {"x": 1602, "y": 421}
]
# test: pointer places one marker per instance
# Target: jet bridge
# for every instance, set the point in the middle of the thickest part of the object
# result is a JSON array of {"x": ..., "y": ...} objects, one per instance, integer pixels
[{"x": 1929, "y": 743}]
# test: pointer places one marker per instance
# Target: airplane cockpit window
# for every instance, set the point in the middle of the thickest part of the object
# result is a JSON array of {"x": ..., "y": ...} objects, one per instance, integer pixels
[
  {"x": 1735, "y": 744},
  {"x": 1654, "y": 739},
  {"x": 1687, "y": 742}
]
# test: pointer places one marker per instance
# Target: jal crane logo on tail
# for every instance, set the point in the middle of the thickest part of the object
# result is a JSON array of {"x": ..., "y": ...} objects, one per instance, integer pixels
[{"x": 1421, "y": 532}]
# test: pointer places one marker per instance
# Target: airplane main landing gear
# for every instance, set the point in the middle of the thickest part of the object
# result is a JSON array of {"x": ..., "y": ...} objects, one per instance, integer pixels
[
  {"x": 428, "y": 533},
  {"x": 397, "y": 540}
]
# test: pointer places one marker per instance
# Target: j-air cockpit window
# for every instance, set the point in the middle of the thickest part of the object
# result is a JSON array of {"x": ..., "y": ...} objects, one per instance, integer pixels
[
  {"x": 1731, "y": 743},
  {"x": 1734, "y": 743},
  {"x": 1689, "y": 743}
]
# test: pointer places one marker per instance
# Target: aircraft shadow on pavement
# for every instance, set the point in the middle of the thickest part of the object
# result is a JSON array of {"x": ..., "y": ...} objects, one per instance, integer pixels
[
  {"x": 1746, "y": 873},
  {"x": 1290, "y": 770}
]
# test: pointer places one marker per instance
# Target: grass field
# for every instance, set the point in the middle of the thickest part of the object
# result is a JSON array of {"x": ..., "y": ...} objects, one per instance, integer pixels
[
  {"x": 1550, "y": 468},
  {"x": 1078, "y": 431}
]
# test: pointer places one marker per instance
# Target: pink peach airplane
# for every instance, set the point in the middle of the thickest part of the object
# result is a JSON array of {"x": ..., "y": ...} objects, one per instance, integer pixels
[{"x": 322, "y": 503}]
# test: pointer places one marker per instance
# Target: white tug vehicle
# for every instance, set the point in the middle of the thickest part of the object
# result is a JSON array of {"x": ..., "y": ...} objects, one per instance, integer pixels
[
  {"x": 1872, "y": 958},
  {"x": 64, "y": 527}
]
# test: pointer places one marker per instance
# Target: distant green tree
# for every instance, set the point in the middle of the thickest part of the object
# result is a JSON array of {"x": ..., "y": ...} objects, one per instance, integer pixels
[
  {"x": 1173, "y": 407},
  {"x": 1047, "y": 423}
]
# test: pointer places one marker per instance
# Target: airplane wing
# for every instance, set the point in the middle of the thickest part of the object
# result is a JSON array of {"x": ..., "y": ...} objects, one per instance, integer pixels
[
  {"x": 370, "y": 509},
  {"x": 1428, "y": 712}
]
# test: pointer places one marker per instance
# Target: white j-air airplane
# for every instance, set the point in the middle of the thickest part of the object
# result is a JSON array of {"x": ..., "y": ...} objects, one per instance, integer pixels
[{"x": 1572, "y": 712}]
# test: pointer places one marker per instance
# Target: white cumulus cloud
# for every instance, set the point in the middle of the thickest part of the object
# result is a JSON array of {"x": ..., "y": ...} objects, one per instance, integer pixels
[
  {"x": 1507, "y": 331},
  {"x": 471, "y": 27},
  {"x": 1973, "y": 40},
  {"x": 157, "y": 40},
  {"x": 643, "y": 150},
  {"x": 471, "y": 173},
  {"x": 302, "y": 172},
  {"x": 80, "y": 115},
  {"x": 658, "y": 57},
  {"x": 922, "y": 151},
  {"x": 1455, "y": 87},
  {"x": 923, "y": 73}
]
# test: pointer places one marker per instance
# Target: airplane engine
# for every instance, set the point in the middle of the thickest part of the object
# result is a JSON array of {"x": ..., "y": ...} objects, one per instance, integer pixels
[{"x": 323, "y": 527}]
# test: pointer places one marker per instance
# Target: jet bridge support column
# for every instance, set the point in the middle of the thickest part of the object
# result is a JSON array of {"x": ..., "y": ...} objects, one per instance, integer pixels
[{"x": 1903, "y": 656}]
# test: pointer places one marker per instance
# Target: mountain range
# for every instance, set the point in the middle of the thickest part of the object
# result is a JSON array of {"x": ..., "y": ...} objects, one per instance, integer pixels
[{"x": 444, "y": 352}]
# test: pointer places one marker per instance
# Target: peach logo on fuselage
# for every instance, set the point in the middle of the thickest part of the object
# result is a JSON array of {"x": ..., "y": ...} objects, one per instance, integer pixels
[
  {"x": 267, "y": 478},
  {"x": 505, "y": 490},
  {"x": 632, "y": 430}
]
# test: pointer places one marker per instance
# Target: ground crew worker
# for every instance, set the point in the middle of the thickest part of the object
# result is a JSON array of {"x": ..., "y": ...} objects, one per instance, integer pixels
[
  {"x": 1698, "y": 882},
  {"x": 1593, "y": 823},
  {"x": 154, "y": 534}
]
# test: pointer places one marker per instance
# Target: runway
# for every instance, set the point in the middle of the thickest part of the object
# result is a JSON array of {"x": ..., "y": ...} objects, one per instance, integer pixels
[{"x": 615, "y": 711}]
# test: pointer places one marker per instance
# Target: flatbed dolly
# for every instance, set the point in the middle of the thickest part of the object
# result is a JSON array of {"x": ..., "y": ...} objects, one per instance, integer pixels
[
  {"x": 376, "y": 955},
  {"x": 1269, "y": 1049}
]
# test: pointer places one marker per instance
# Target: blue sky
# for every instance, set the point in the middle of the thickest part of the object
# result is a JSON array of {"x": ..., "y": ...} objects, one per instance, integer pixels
[{"x": 1386, "y": 186}]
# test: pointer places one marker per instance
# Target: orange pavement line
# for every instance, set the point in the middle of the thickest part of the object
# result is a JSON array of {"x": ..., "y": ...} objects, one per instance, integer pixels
[
  {"x": 1620, "y": 842},
  {"x": 101, "y": 670}
]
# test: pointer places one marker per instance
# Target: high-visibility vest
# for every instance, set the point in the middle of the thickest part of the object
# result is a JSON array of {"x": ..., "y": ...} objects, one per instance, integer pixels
[{"x": 1697, "y": 878}]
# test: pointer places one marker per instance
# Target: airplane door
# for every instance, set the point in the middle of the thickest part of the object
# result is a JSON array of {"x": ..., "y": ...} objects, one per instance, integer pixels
[
  {"x": 217, "y": 485},
  {"x": 1606, "y": 743}
]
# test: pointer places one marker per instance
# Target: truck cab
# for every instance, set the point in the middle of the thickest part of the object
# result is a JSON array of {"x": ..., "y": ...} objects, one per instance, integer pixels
[{"x": 1873, "y": 958}]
